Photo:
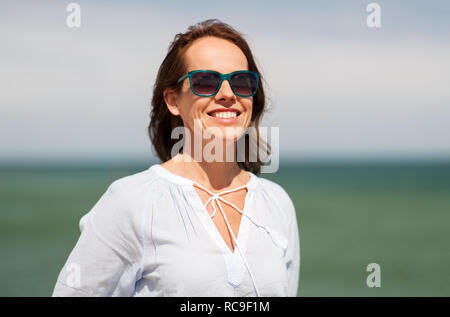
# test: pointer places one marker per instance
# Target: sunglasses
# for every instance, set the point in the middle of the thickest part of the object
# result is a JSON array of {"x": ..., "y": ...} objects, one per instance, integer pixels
[{"x": 206, "y": 83}]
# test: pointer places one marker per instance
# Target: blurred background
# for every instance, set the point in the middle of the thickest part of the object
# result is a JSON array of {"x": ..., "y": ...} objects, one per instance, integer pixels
[{"x": 363, "y": 112}]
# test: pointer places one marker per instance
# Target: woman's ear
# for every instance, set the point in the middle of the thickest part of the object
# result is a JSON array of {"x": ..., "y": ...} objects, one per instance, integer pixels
[{"x": 170, "y": 97}]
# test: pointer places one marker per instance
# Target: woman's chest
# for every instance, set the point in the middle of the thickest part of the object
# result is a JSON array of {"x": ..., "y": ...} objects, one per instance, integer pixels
[{"x": 192, "y": 258}]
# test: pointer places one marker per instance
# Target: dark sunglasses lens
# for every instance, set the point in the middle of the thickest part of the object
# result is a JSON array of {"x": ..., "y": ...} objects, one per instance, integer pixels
[
  {"x": 204, "y": 83},
  {"x": 244, "y": 84}
]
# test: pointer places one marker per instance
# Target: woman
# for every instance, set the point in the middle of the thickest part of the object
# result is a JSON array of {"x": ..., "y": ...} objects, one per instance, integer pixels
[{"x": 190, "y": 227}]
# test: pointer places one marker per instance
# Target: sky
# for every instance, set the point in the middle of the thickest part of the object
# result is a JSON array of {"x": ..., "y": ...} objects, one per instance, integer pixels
[{"x": 336, "y": 87}]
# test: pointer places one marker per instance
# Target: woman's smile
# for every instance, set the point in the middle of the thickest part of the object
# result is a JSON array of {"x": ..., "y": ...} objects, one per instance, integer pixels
[{"x": 224, "y": 116}]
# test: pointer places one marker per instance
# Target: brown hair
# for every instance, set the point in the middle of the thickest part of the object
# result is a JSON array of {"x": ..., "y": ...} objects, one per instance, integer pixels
[{"x": 162, "y": 122}]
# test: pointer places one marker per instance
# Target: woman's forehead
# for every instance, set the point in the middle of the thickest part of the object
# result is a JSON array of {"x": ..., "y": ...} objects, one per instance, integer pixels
[{"x": 215, "y": 54}]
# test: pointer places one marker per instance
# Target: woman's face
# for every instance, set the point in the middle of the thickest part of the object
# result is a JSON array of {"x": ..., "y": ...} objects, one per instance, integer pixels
[{"x": 220, "y": 55}]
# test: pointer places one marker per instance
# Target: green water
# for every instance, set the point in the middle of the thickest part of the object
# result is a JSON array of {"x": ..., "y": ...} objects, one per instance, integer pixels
[{"x": 350, "y": 215}]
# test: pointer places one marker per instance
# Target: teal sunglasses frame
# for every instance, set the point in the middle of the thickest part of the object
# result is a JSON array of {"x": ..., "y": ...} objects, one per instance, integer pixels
[{"x": 222, "y": 78}]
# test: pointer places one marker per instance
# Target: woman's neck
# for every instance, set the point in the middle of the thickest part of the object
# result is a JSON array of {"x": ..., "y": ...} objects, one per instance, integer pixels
[{"x": 217, "y": 176}]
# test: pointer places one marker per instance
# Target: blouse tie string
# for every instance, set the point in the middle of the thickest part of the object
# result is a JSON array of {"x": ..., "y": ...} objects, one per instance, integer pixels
[{"x": 215, "y": 198}]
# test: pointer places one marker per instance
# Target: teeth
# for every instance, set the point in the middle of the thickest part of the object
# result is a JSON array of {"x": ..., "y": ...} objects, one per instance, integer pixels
[{"x": 225, "y": 114}]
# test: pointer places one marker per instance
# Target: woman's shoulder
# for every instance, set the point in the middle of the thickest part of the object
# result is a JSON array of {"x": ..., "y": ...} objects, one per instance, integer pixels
[
  {"x": 129, "y": 194},
  {"x": 129, "y": 182},
  {"x": 137, "y": 185},
  {"x": 272, "y": 187},
  {"x": 276, "y": 193},
  {"x": 126, "y": 201}
]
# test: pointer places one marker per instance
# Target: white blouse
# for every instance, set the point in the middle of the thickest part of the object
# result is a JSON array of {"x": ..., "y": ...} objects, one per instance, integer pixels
[{"x": 151, "y": 235}]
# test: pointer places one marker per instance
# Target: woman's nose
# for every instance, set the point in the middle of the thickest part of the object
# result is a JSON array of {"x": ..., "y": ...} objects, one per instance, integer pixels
[{"x": 225, "y": 91}]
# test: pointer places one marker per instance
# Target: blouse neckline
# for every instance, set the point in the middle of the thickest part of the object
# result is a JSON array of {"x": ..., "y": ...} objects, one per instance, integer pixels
[
  {"x": 235, "y": 271},
  {"x": 181, "y": 180}
]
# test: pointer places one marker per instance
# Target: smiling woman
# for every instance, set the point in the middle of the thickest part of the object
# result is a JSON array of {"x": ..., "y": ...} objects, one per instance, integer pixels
[
  {"x": 187, "y": 227},
  {"x": 216, "y": 47}
]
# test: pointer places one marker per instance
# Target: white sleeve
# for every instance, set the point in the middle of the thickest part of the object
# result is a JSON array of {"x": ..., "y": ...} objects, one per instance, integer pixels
[
  {"x": 292, "y": 255},
  {"x": 106, "y": 259},
  {"x": 290, "y": 226}
]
